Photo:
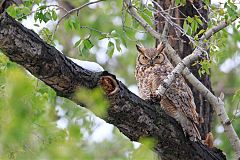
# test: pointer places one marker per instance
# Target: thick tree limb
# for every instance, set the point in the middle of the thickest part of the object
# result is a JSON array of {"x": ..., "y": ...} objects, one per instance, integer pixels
[
  {"x": 131, "y": 115},
  {"x": 217, "y": 103}
]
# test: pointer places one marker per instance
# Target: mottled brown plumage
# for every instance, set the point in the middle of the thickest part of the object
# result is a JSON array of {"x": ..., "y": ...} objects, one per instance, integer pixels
[{"x": 152, "y": 67}]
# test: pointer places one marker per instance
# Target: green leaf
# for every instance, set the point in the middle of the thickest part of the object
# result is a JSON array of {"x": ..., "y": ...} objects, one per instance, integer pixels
[
  {"x": 199, "y": 21},
  {"x": 194, "y": 26},
  {"x": 236, "y": 95},
  {"x": 67, "y": 25},
  {"x": 238, "y": 26},
  {"x": 205, "y": 66},
  {"x": 37, "y": 1},
  {"x": 87, "y": 43},
  {"x": 118, "y": 43},
  {"x": 190, "y": 19},
  {"x": 110, "y": 49},
  {"x": 221, "y": 12},
  {"x": 123, "y": 41},
  {"x": 47, "y": 17},
  {"x": 25, "y": 10},
  {"x": 231, "y": 9},
  {"x": 198, "y": 34},
  {"x": 39, "y": 16},
  {"x": 201, "y": 31},
  {"x": 46, "y": 34},
  {"x": 12, "y": 11},
  {"x": 28, "y": 3},
  {"x": 102, "y": 36},
  {"x": 207, "y": 2},
  {"x": 177, "y": 2},
  {"x": 75, "y": 22},
  {"x": 54, "y": 15},
  {"x": 72, "y": 23},
  {"x": 114, "y": 33},
  {"x": 84, "y": 51},
  {"x": 74, "y": 131},
  {"x": 135, "y": 24},
  {"x": 42, "y": 7},
  {"x": 186, "y": 28},
  {"x": 77, "y": 43}
]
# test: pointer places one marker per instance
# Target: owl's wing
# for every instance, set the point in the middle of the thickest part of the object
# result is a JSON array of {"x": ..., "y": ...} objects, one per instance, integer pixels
[{"x": 181, "y": 96}]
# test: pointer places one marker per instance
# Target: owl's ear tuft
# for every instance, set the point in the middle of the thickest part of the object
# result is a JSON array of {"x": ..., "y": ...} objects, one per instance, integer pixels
[
  {"x": 140, "y": 49},
  {"x": 160, "y": 47}
]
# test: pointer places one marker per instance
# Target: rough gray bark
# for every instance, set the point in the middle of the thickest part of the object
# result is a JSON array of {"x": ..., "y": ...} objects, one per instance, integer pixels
[
  {"x": 133, "y": 116},
  {"x": 181, "y": 44}
]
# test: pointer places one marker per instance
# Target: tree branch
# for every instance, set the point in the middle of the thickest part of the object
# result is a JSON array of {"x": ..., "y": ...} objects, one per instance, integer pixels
[
  {"x": 217, "y": 103},
  {"x": 133, "y": 116},
  {"x": 166, "y": 25}
]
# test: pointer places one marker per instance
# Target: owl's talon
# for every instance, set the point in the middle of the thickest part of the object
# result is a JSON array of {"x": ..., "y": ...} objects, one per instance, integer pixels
[{"x": 155, "y": 98}]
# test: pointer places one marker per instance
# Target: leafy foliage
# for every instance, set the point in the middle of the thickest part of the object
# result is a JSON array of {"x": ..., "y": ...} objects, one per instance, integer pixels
[{"x": 191, "y": 25}]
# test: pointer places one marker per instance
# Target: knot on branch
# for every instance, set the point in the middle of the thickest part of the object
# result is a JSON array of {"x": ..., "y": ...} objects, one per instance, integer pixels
[{"x": 109, "y": 84}]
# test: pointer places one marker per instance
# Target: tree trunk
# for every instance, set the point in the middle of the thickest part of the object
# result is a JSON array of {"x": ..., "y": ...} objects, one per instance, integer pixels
[{"x": 182, "y": 46}]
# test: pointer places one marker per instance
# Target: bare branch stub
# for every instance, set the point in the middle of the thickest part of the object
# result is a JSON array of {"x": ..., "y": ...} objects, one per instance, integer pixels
[{"x": 108, "y": 83}]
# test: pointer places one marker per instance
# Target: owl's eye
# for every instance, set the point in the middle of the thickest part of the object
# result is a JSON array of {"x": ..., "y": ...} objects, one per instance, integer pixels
[
  {"x": 144, "y": 57},
  {"x": 157, "y": 57}
]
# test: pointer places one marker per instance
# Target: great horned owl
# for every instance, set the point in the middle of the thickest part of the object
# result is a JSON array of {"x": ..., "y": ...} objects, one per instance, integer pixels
[{"x": 152, "y": 67}]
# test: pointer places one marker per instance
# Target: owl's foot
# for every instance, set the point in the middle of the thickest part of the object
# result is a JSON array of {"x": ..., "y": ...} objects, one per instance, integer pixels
[
  {"x": 155, "y": 98},
  {"x": 209, "y": 140}
]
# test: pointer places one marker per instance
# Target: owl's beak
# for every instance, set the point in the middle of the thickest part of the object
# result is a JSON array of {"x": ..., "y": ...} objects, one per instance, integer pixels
[{"x": 151, "y": 62}]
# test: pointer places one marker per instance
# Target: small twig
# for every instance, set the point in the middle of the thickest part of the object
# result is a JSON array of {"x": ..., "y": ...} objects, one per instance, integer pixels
[
  {"x": 71, "y": 12},
  {"x": 93, "y": 29},
  {"x": 199, "y": 13},
  {"x": 58, "y": 6},
  {"x": 170, "y": 12},
  {"x": 164, "y": 11}
]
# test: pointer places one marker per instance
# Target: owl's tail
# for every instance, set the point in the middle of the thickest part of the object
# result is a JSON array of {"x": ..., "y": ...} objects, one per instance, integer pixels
[
  {"x": 189, "y": 127},
  {"x": 196, "y": 134}
]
